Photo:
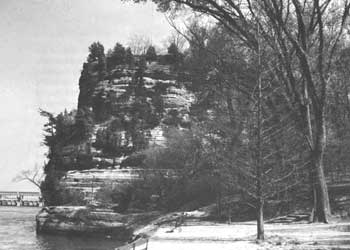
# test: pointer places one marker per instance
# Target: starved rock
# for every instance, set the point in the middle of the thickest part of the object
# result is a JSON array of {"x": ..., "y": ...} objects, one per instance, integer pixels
[{"x": 87, "y": 221}]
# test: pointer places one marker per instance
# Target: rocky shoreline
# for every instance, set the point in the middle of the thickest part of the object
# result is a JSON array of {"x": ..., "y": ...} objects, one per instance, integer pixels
[
  {"x": 87, "y": 221},
  {"x": 83, "y": 220},
  {"x": 195, "y": 233}
]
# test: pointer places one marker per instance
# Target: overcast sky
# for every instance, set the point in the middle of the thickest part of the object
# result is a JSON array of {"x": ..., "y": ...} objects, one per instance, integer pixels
[{"x": 43, "y": 44}]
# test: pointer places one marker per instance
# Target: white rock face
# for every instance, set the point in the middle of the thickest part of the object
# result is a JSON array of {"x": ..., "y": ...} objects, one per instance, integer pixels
[
  {"x": 90, "y": 181},
  {"x": 157, "y": 136}
]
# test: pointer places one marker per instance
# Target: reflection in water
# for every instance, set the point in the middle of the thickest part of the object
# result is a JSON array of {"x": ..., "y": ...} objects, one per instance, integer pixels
[
  {"x": 51, "y": 242},
  {"x": 17, "y": 232}
]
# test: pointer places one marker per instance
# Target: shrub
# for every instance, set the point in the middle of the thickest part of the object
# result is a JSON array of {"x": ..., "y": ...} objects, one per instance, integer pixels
[
  {"x": 119, "y": 196},
  {"x": 54, "y": 194},
  {"x": 72, "y": 197}
]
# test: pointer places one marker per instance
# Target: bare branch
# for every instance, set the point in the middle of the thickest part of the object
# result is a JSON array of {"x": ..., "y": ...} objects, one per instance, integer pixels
[{"x": 35, "y": 176}]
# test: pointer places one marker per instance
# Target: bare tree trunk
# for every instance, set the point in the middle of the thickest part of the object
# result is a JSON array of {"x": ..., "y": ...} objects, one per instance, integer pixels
[
  {"x": 316, "y": 136},
  {"x": 260, "y": 199},
  {"x": 321, "y": 199},
  {"x": 260, "y": 220}
]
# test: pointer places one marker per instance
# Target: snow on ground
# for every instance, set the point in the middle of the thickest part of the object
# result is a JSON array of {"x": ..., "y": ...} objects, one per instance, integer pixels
[
  {"x": 202, "y": 245},
  {"x": 237, "y": 236}
]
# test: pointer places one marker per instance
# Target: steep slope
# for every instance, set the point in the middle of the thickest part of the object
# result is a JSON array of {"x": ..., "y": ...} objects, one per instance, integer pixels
[
  {"x": 132, "y": 110},
  {"x": 133, "y": 106}
]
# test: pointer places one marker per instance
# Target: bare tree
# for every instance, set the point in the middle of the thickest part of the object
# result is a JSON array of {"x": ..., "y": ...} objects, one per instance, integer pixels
[
  {"x": 175, "y": 38},
  {"x": 253, "y": 133},
  {"x": 259, "y": 158},
  {"x": 302, "y": 37},
  {"x": 139, "y": 44},
  {"x": 35, "y": 176}
]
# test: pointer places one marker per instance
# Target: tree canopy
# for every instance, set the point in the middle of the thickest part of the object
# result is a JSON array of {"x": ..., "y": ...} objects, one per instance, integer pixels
[{"x": 301, "y": 39}]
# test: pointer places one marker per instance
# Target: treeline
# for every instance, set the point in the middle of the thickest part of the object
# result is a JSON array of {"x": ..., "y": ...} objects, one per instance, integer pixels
[{"x": 99, "y": 65}]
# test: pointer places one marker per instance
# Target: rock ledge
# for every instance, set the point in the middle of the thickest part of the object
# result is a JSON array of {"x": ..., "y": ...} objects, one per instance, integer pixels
[{"x": 87, "y": 221}]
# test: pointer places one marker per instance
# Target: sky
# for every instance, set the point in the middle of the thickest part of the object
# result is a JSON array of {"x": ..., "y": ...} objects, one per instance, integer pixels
[{"x": 43, "y": 44}]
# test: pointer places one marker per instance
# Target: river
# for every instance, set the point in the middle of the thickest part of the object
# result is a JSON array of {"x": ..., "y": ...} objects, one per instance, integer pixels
[{"x": 17, "y": 232}]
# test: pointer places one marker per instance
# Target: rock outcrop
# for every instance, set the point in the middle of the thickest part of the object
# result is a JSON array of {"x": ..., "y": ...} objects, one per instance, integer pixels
[
  {"x": 88, "y": 221},
  {"x": 126, "y": 108},
  {"x": 152, "y": 103},
  {"x": 91, "y": 180}
]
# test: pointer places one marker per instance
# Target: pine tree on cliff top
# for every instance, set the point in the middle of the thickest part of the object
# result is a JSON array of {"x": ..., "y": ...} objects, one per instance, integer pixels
[{"x": 94, "y": 70}]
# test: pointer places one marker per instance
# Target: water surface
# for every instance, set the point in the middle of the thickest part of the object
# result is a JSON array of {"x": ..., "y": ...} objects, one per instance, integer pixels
[{"x": 17, "y": 232}]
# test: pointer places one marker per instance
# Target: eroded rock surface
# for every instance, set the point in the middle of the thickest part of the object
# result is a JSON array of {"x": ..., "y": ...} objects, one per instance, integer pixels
[{"x": 88, "y": 221}]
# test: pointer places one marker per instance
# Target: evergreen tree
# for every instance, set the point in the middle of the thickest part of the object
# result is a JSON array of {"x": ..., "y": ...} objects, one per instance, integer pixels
[
  {"x": 129, "y": 57},
  {"x": 151, "y": 54},
  {"x": 117, "y": 56},
  {"x": 174, "y": 55},
  {"x": 97, "y": 56},
  {"x": 173, "y": 49},
  {"x": 94, "y": 70},
  {"x": 83, "y": 123},
  {"x": 96, "y": 50}
]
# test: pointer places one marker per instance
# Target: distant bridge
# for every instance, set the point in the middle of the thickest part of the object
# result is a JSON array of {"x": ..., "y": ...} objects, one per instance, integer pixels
[{"x": 26, "y": 199}]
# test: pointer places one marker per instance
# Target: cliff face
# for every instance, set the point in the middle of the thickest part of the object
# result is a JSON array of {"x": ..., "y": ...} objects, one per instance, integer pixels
[
  {"x": 91, "y": 180},
  {"x": 132, "y": 108}
]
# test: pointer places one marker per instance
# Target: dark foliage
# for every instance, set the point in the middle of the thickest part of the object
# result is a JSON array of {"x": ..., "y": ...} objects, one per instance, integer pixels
[
  {"x": 174, "y": 56},
  {"x": 151, "y": 54},
  {"x": 94, "y": 70},
  {"x": 117, "y": 56},
  {"x": 65, "y": 136}
]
